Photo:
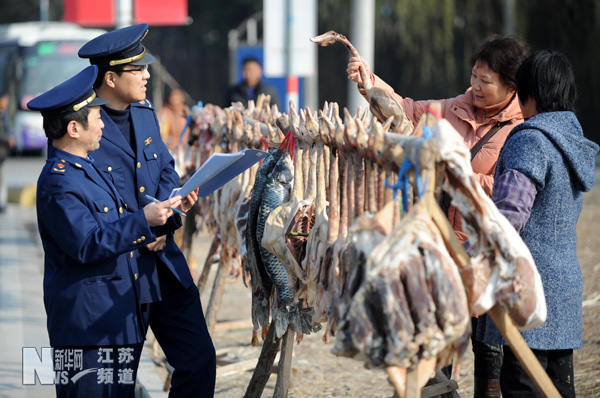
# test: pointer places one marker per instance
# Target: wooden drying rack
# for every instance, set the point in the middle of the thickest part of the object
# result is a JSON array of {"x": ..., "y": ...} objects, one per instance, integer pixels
[{"x": 271, "y": 345}]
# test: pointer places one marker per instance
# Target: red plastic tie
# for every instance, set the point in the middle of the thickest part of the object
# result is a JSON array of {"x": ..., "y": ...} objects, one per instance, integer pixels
[{"x": 435, "y": 113}]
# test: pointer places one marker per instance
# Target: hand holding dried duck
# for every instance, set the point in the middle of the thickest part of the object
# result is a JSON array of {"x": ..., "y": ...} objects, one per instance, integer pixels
[{"x": 382, "y": 104}]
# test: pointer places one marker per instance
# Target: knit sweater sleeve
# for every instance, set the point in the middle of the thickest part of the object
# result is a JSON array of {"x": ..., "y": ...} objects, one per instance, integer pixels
[{"x": 525, "y": 152}]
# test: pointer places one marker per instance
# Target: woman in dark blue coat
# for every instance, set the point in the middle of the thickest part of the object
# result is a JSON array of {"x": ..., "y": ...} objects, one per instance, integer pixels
[{"x": 543, "y": 170}]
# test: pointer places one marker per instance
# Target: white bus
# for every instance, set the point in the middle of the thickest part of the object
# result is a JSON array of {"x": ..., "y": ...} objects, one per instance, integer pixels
[{"x": 34, "y": 57}]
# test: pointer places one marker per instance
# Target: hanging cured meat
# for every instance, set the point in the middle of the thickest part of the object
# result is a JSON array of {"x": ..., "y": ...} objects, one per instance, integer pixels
[{"x": 501, "y": 268}]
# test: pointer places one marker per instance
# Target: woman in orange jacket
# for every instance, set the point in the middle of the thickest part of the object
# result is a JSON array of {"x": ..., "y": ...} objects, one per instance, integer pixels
[{"x": 487, "y": 111}]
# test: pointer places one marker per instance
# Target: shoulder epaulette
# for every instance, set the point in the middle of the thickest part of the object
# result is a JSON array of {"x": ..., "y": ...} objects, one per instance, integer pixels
[
  {"x": 59, "y": 167},
  {"x": 144, "y": 104}
]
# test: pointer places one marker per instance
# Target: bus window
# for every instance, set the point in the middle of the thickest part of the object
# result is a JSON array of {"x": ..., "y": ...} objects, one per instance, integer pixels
[{"x": 48, "y": 64}]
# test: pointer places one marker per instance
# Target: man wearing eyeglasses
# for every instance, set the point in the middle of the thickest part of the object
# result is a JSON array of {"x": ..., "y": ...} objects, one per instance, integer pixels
[{"x": 133, "y": 155}]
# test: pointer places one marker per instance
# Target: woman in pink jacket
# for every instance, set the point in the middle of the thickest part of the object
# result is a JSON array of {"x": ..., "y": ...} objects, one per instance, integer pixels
[
  {"x": 486, "y": 112},
  {"x": 490, "y": 101}
]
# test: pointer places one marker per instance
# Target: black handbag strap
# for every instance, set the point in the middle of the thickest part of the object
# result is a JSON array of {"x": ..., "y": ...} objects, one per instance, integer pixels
[{"x": 486, "y": 138}]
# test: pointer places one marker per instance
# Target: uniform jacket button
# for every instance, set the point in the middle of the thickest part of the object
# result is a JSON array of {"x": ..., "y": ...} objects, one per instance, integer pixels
[
  {"x": 131, "y": 254},
  {"x": 142, "y": 189},
  {"x": 135, "y": 276},
  {"x": 121, "y": 210},
  {"x": 106, "y": 209},
  {"x": 109, "y": 168},
  {"x": 134, "y": 242},
  {"x": 143, "y": 238},
  {"x": 155, "y": 155},
  {"x": 139, "y": 164}
]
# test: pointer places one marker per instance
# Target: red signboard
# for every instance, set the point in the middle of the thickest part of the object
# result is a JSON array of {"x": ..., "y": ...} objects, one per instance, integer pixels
[
  {"x": 90, "y": 13},
  {"x": 160, "y": 12},
  {"x": 102, "y": 12}
]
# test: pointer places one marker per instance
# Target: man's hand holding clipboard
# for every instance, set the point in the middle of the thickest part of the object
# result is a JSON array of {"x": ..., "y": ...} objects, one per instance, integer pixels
[{"x": 218, "y": 170}]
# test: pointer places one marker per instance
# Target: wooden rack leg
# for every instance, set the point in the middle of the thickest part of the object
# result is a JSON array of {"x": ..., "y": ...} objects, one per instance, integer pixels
[
  {"x": 207, "y": 264},
  {"x": 216, "y": 295},
  {"x": 523, "y": 352},
  {"x": 285, "y": 365},
  {"x": 397, "y": 377},
  {"x": 189, "y": 229},
  {"x": 413, "y": 390},
  {"x": 263, "y": 368},
  {"x": 440, "y": 386}
]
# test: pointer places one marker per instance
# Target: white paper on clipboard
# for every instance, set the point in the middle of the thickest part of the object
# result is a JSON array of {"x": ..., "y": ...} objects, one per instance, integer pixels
[{"x": 219, "y": 169}]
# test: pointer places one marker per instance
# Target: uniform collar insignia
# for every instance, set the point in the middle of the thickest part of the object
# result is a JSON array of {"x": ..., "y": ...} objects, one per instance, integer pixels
[{"x": 148, "y": 140}]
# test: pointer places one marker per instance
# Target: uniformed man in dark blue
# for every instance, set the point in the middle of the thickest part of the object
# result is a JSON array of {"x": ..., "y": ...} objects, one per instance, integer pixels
[
  {"x": 137, "y": 161},
  {"x": 90, "y": 273}
]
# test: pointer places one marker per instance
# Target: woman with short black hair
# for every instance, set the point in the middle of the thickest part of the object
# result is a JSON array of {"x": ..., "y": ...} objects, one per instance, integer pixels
[{"x": 543, "y": 170}]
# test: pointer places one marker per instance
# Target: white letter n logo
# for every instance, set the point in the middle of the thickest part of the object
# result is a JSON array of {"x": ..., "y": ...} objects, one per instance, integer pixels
[{"x": 32, "y": 364}]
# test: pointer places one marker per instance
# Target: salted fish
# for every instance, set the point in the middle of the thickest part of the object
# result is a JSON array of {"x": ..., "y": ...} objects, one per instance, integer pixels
[
  {"x": 277, "y": 191},
  {"x": 261, "y": 283}
]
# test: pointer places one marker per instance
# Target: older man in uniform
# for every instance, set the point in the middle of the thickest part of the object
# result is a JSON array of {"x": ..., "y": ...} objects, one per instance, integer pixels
[
  {"x": 134, "y": 157},
  {"x": 90, "y": 274}
]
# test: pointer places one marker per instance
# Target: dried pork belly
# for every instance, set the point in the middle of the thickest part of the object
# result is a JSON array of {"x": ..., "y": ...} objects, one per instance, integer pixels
[{"x": 501, "y": 269}]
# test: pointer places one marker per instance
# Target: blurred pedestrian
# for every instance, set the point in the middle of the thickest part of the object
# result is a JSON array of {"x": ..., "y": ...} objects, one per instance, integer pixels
[
  {"x": 172, "y": 118},
  {"x": 5, "y": 145},
  {"x": 543, "y": 170},
  {"x": 251, "y": 85}
]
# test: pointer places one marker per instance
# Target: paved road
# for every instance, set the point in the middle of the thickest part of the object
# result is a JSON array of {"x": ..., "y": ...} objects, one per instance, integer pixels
[
  {"x": 22, "y": 171},
  {"x": 22, "y": 315}
]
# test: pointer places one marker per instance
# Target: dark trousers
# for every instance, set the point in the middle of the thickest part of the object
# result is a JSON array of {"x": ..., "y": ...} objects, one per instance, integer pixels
[
  {"x": 488, "y": 357},
  {"x": 96, "y": 372},
  {"x": 515, "y": 382},
  {"x": 180, "y": 328}
]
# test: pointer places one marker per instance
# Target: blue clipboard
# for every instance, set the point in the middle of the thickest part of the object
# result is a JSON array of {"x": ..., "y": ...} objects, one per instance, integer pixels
[{"x": 219, "y": 169}]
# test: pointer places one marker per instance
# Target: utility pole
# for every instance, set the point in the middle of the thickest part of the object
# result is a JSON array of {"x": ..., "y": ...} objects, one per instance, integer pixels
[
  {"x": 44, "y": 10},
  {"x": 509, "y": 17},
  {"x": 124, "y": 9},
  {"x": 362, "y": 36},
  {"x": 292, "y": 93}
]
